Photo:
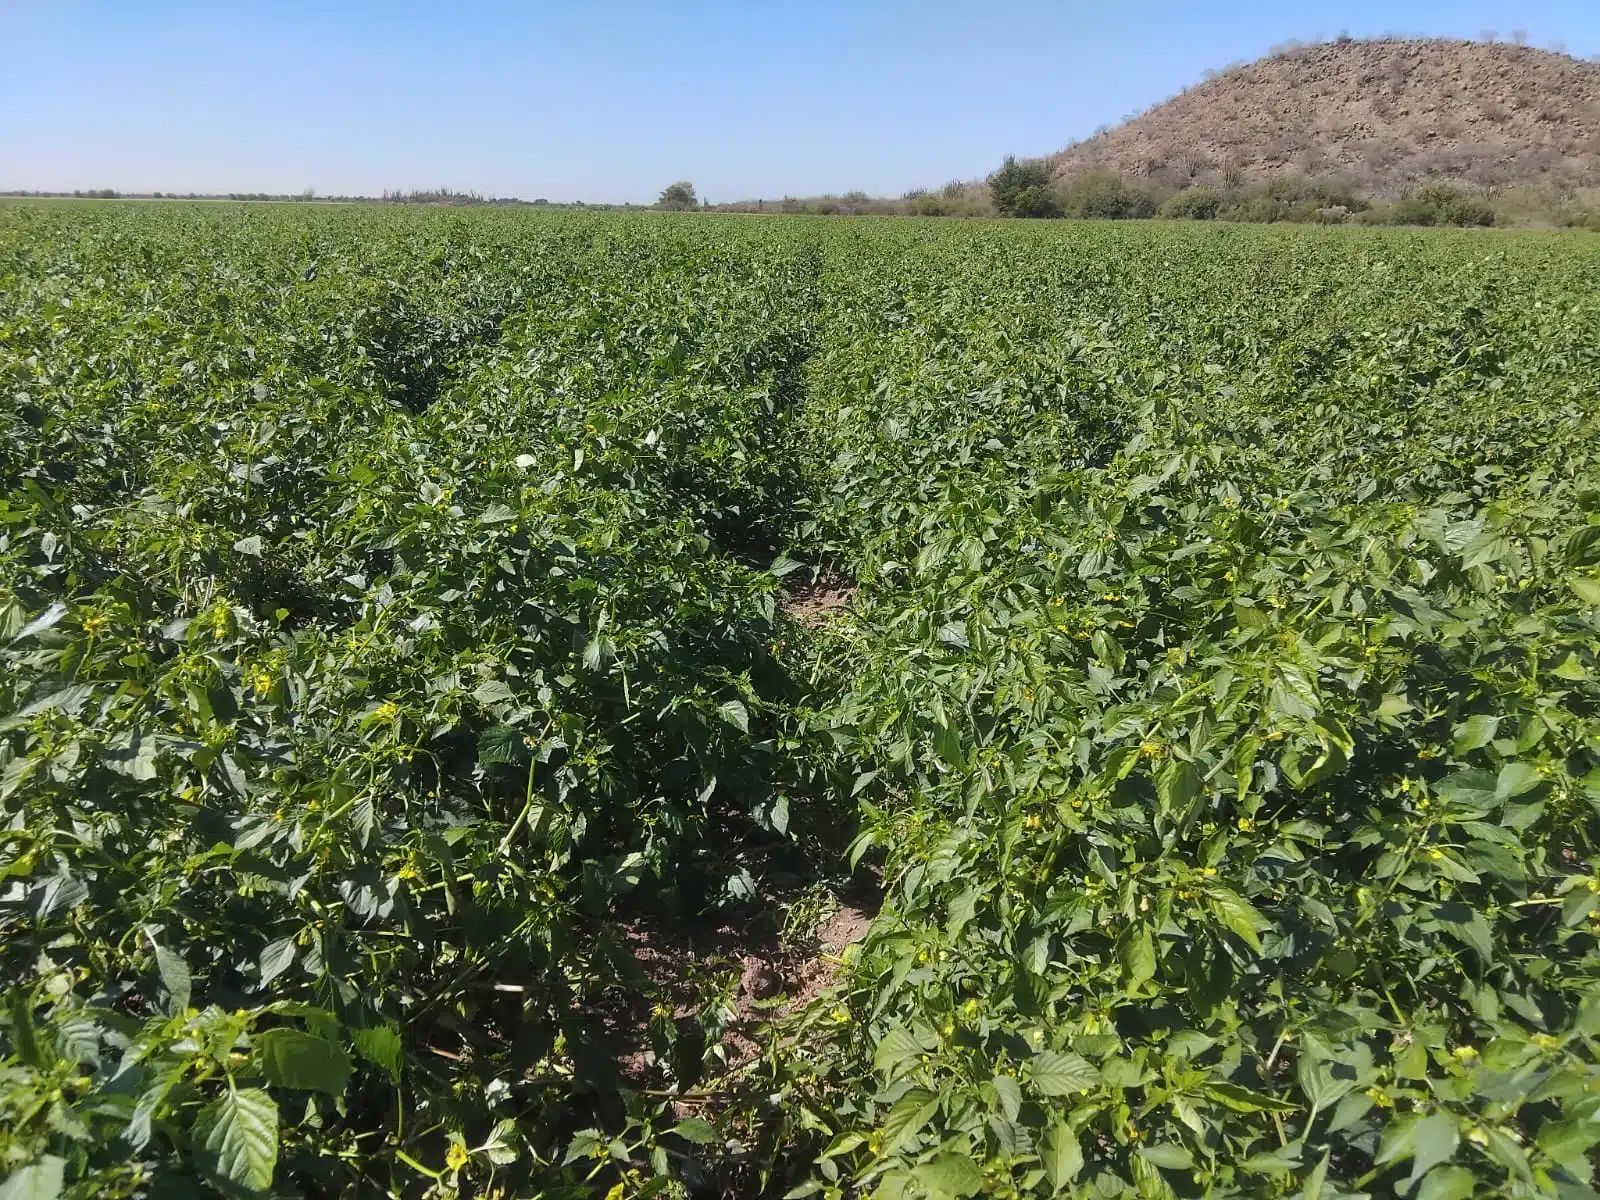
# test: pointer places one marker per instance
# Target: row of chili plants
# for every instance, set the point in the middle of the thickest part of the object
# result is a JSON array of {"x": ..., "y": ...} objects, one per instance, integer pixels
[
  {"x": 1224, "y": 688},
  {"x": 378, "y": 617}
]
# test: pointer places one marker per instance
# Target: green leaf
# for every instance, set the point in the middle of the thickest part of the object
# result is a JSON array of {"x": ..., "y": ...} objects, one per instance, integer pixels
[
  {"x": 1395, "y": 1145},
  {"x": 41, "y": 1179},
  {"x": 1243, "y": 1099},
  {"x": 236, "y": 1139},
  {"x": 1237, "y": 914},
  {"x": 1515, "y": 779},
  {"x": 1177, "y": 784},
  {"x": 1317, "y": 1080},
  {"x": 502, "y": 745},
  {"x": 1317, "y": 1180},
  {"x": 1505, "y": 1150},
  {"x": 1136, "y": 951},
  {"x": 1490, "y": 546},
  {"x": 1171, "y": 1155},
  {"x": 1009, "y": 1094},
  {"x": 276, "y": 958},
  {"x": 1054, "y": 1073},
  {"x": 1433, "y": 1140},
  {"x": 896, "y": 1048},
  {"x": 380, "y": 1046},
  {"x": 174, "y": 974},
  {"x": 698, "y": 1131},
  {"x": 1061, "y": 1154},
  {"x": 1270, "y": 1162},
  {"x": 1467, "y": 925},
  {"x": 735, "y": 714},
  {"x": 48, "y": 619},
  {"x": 1571, "y": 669},
  {"x": 1579, "y": 904},
  {"x": 1587, "y": 587},
  {"x": 784, "y": 565},
  {"x": 1448, "y": 1183},
  {"x": 25, "y": 1034},
  {"x": 501, "y": 1144},
  {"x": 1471, "y": 789},
  {"x": 954, "y": 633},
  {"x": 950, "y": 1177},
  {"x": 909, "y": 1116},
  {"x": 293, "y": 1059},
  {"x": 1569, "y": 1141},
  {"x": 1393, "y": 706},
  {"x": 1582, "y": 548},
  {"x": 1474, "y": 733},
  {"x": 492, "y": 691}
]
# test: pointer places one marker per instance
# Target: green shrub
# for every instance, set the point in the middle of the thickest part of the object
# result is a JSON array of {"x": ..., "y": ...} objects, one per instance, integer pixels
[
  {"x": 1293, "y": 199},
  {"x": 1441, "y": 204},
  {"x": 1036, "y": 202},
  {"x": 1013, "y": 180},
  {"x": 1193, "y": 204},
  {"x": 679, "y": 197},
  {"x": 1107, "y": 197}
]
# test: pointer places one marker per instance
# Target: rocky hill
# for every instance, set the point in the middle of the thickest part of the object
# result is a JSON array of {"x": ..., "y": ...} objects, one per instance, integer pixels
[{"x": 1383, "y": 115}]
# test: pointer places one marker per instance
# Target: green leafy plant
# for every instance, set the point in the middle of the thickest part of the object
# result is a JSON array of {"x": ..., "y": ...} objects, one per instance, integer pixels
[{"x": 398, "y": 622}]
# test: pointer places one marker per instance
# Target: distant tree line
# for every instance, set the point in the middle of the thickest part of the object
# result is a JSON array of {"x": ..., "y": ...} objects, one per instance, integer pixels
[
  {"x": 1025, "y": 189},
  {"x": 443, "y": 196}
]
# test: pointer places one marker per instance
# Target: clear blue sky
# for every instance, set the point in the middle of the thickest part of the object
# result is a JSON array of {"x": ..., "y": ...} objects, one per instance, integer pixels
[{"x": 613, "y": 101}]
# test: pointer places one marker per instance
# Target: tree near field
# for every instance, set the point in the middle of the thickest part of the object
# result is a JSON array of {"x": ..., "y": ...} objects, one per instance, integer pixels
[
  {"x": 678, "y": 197},
  {"x": 1036, "y": 202},
  {"x": 1021, "y": 189}
]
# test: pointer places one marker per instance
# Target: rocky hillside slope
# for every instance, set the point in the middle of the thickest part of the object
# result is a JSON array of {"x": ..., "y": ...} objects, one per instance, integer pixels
[{"x": 1383, "y": 115}]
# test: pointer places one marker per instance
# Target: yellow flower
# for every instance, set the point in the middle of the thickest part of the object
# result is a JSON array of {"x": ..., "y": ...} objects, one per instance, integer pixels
[
  {"x": 1545, "y": 1042},
  {"x": 1465, "y": 1053},
  {"x": 261, "y": 682},
  {"x": 841, "y": 1015},
  {"x": 388, "y": 710},
  {"x": 1150, "y": 749},
  {"x": 1379, "y": 1097},
  {"x": 456, "y": 1157}
]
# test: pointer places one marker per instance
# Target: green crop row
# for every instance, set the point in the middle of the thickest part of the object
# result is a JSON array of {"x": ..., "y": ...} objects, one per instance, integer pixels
[{"x": 393, "y": 611}]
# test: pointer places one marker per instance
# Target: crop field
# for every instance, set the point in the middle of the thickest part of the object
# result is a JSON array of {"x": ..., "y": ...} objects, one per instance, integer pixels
[{"x": 458, "y": 668}]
